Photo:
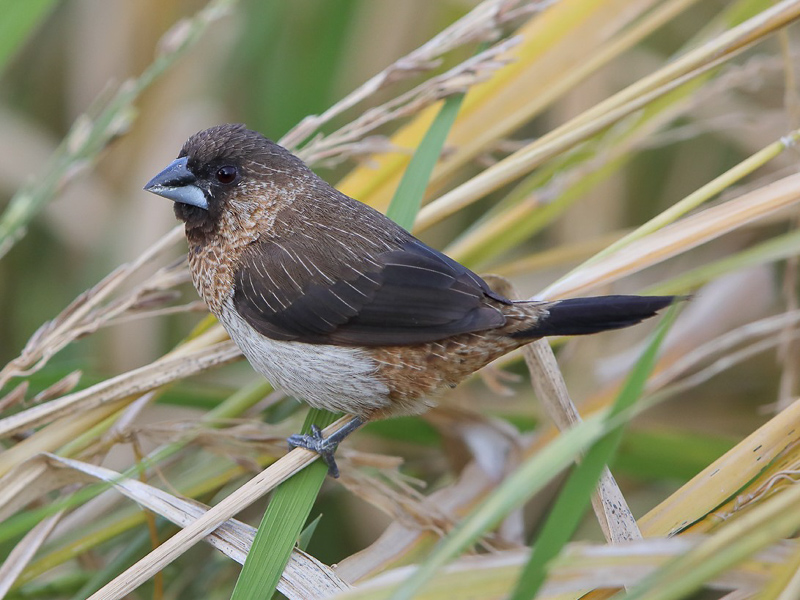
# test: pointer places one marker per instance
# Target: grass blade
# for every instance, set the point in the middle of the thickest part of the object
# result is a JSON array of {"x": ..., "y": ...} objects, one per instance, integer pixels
[
  {"x": 576, "y": 496},
  {"x": 408, "y": 197},
  {"x": 88, "y": 138},
  {"x": 281, "y": 525},
  {"x": 773, "y": 519},
  {"x": 532, "y": 476}
]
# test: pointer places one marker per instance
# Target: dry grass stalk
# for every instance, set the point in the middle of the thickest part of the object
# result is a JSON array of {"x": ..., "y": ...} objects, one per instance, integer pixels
[
  {"x": 724, "y": 476},
  {"x": 400, "y": 540},
  {"x": 53, "y": 436},
  {"x": 722, "y": 346},
  {"x": 243, "y": 497},
  {"x": 545, "y": 148},
  {"x": 416, "y": 523},
  {"x": 610, "y": 37},
  {"x": 304, "y": 577},
  {"x": 15, "y": 396},
  {"x": 544, "y": 68},
  {"x": 24, "y": 552},
  {"x": 161, "y": 372},
  {"x": 780, "y": 473},
  {"x": 86, "y": 314},
  {"x": 789, "y": 350},
  {"x": 337, "y": 146},
  {"x": 87, "y": 138},
  {"x": 610, "y": 507},
  {"x": 759, "y": 527},
  {"x": 480, "y": 24},
  {"x": 680, "y": 237},
  {"x": 612, "y": 511},
  {"x": 581, "y": 566},
  {"x": 400, "y": 501},
  {"x": 599, "y": 117}
]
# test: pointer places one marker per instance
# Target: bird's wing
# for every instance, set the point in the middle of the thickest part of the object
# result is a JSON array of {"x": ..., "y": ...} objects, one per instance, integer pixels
[{"x": 406, "y": 294}]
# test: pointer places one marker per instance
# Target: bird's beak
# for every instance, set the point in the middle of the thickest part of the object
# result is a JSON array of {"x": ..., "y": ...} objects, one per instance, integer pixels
[{"x": 177, "y": 183}]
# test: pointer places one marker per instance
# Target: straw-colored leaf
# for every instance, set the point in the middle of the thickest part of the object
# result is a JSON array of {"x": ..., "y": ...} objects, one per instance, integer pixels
[
  {"x": 725, "y": 476},
  {"x": 304, "y": 577},
  {"x": 681, "y": 237},
  {"x": 580, "y": 567},
  {"x": 248, "y": 493}
]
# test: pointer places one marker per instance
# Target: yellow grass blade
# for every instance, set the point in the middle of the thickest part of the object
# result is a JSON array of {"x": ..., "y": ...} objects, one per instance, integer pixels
[
  {"x": 680, "y": 237},
  {"x": 606, "y": 113},
  {"x": 723, "y": 477},
  {"x": 544, "y": 67}
]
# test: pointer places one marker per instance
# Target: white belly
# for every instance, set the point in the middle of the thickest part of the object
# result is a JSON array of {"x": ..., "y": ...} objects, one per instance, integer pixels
[{"x": 335, "y": 378}]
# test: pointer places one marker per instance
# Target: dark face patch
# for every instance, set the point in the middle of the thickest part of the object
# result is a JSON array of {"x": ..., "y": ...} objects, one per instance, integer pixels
[
  {"x": 194, "y": 217},
  {"x": 224, "y": 157}
]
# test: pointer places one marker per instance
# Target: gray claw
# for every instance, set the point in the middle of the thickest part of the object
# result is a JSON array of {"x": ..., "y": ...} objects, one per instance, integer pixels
[
  {"x": 316, "y": 443},
  {"x": 325, "y": 447}
]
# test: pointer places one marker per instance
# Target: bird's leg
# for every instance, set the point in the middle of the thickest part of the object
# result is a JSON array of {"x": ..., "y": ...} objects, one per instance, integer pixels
[{"x": 325, "y": 447}]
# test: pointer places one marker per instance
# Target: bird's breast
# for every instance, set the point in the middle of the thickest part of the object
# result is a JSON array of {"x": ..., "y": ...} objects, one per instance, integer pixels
[
  {"x": 336, "y": 378},
  {"x": 213, "y": 260}
]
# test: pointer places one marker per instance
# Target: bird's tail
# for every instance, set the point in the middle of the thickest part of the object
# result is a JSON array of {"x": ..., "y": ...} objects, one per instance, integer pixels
[{"x": 578, "y": 316}]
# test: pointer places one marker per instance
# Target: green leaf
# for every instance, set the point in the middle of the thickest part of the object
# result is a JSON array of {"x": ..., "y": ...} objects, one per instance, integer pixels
[
  {"x": 576, "y": 495},
  {"x": 283, "y": 520},
  {"x": 18, "y": 22},
  {"x": 408, "y": 197},
  {"x": 532, "y": 476},
  {"x": 305, "y": 536}
]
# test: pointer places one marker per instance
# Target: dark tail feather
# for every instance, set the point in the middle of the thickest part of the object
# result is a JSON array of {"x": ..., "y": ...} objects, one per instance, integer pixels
[{"x": 579, "y": 316}]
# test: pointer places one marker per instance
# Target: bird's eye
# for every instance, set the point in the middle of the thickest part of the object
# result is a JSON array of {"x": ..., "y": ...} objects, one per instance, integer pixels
[{"x": 226, "y": 174}]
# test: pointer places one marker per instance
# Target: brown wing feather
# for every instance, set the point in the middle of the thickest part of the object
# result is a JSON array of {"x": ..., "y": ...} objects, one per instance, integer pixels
[{"x": 396, "y": 293}]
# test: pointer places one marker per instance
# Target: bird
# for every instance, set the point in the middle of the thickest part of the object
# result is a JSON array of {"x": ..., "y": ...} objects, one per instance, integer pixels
[{"x": 332, "y": 301}]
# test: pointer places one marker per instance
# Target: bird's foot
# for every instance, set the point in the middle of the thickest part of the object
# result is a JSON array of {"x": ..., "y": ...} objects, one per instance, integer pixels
[{"x": 325, "y": 447}]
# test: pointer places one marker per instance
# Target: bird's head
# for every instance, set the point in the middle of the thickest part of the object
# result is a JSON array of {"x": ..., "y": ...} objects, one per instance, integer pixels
[{"x": 228, "y": 171}]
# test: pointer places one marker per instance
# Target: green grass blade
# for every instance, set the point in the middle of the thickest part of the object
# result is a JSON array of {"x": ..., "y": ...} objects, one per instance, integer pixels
[
  {"x": 532, "y": 476},
  {"x": 18, "y": 22},
  {"x": 408, "y": 197},
  {"x": 280, "y": 528},
  {"x": 304, "y": 539},
  {"x": 576, "y": 495},
  {"x": 769, "y": 521}
]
